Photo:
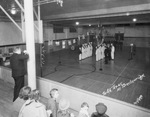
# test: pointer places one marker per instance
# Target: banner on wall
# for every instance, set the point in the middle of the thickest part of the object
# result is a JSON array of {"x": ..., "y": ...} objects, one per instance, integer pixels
[
  {"x": 57, "y": 43},
  {"x": 69, "y": 42},
  {"x": 74, "y": 40},
  {"x": 63, "y": 44},
  {"x": 83, "y": 36},
  {"x": 50, "y": 42}
]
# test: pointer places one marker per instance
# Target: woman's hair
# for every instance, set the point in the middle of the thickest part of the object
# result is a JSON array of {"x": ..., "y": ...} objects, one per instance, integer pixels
[
  {"x": 52, "y": 92},
  {"x": 25, "y": 92},
  {"x": 17, "y": 48},
  {"x": 84, "y": 104},
  {"x": 35, "y": 95}
]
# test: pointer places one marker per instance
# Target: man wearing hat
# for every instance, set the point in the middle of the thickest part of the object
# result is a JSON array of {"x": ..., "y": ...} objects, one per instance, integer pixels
[
  {"x": 101, "y": 110},
  {"x": 63, "y": 109}
]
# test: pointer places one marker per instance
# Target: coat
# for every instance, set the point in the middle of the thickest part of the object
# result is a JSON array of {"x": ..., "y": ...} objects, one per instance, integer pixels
[
  {"x": 16, "y": 106},
  {"x": 33, "y": 109},
  {"x": 53, "y": 106},
  {"x": 98, "y": 115},
  {"x": 18, "y": 65}
]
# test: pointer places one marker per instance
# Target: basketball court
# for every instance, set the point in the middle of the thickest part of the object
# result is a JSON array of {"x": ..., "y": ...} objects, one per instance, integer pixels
[{"x": 121, "y": 79}]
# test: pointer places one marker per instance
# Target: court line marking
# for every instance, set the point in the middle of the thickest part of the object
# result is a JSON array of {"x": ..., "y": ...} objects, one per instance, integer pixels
[{"x": 120, "y": 73}]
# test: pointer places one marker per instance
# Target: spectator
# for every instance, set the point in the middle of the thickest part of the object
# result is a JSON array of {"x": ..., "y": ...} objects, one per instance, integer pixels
[
  {"x": 33, "y": 108},
  {"x": 17, "y": 64},
  {"x": 63, "y": 109},
  {"x": 106, "y": 52},
  {"x": 52, "y": 102},
  {"x": 131, "y": 51},
  {"x": 23, "y": 97},
  {"x": 100, "y": 110},
  {"x": 84, "y": 110}
]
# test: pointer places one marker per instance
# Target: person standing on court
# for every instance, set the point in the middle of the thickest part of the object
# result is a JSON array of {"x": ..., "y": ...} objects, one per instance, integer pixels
[
  {"x": 18, "y": 66},
  {"x": 112, "y": 51},
  {"x": 131, "y": 52}
]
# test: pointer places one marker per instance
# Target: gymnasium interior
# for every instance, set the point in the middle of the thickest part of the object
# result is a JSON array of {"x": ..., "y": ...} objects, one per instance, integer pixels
[{"x": 61, "y": 37}]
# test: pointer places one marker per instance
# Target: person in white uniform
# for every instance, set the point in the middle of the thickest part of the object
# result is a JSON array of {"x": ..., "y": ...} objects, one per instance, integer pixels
[{"x": 112, "y": 51}]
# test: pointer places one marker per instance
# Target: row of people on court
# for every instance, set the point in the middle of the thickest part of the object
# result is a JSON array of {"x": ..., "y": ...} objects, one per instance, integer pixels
[
  {"x": 28, "y": 105},
  {"x": 85, "y": 50},
  {"x": 105, "y": 51}
]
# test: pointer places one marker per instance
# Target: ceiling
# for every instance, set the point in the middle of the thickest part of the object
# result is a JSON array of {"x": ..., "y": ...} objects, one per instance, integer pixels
[
  {"x": 94, "y": 12},
  {"x": 111, "y": 20}
]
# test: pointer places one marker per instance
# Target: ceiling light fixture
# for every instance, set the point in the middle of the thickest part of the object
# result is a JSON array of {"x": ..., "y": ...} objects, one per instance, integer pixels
[
  {"x": 134, "y": 19},
  {"x": 13, "y": 10},
  {"x": 77, "y": 23}
]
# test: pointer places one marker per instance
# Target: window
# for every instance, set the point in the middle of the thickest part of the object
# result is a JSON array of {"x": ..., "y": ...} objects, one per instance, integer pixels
[
  {"x": 10, "y": 50},
  {"x": 72, "y": 30},
  {"x": 58, "y": 28}
]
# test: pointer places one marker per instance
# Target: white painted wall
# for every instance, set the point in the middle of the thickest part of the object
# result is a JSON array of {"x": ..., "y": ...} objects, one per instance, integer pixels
[
  {"x": 49, "y": 35},
  {"x": 129, "y": 31},
  {"x": 9, "y": 34},
  {"x": 132, "y": 31},
  {"x": 139, "y": 35},
  {"x": 137, "y": 31}
]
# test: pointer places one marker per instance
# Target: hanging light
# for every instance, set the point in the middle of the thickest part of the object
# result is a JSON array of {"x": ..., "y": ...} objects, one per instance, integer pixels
[
  {"x": 134, "y": 19},
  {"x": 13, "y": 10},
  {"x": 77, "y": 23}
]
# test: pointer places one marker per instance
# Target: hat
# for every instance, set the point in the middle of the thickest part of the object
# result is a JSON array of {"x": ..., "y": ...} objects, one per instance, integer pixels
[
  {"x": 101, "y": 108},
  {"x": 64, "y": 104}
]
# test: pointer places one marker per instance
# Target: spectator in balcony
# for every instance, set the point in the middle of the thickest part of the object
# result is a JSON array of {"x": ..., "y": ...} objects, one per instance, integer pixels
[
  {"x": 84, "y": 110},
  {"x": 63, "y": 109},
  {"x": 33, "y": 108},
  {"x": 100, "y": 110},
  {"x": 52, "y": 102},
  {"x": 17, "y": 64},
  {"x": 24, "y": 95}
]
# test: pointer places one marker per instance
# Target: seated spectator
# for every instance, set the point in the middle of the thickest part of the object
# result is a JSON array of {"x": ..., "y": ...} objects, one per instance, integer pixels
[
  {"x": 84, "y": 110},
  {"x": 52, "y": 102},
  {"x": 63, "y": 109},
  {"x": 100, "y": 110},
  {"x": 18, "y": 103},
  {"x": 33, "y": 108}
]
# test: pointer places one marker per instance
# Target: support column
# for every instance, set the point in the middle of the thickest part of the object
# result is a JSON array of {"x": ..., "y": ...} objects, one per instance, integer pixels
[
  {"x": 30, "y": 42},
  {"x": 23, "y": 26}
]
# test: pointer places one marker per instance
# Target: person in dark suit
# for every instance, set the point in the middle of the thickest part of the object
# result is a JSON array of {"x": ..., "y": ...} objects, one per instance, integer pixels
[
  {"x": 100, "y": 110},
  {"x": 106, "y": 52},
  {"x": 18, "y": 66}
]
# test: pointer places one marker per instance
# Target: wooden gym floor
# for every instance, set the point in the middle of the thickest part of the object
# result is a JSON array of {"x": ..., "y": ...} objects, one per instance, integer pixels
[
  {"x": 86, "y": 75},
  {"x": 63, "y": 66}
]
